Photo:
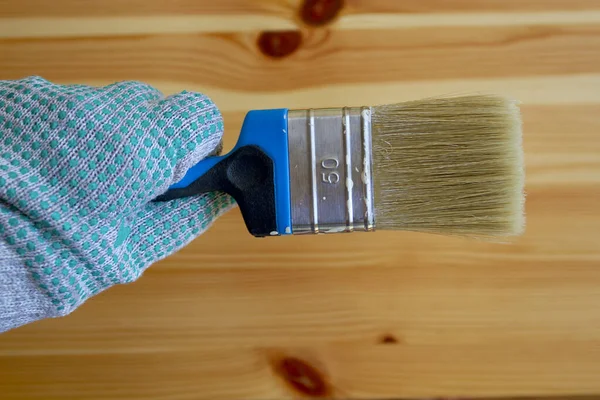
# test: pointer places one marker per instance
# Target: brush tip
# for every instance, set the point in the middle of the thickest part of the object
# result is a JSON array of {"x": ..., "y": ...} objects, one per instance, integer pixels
[{"x": 451, "y": 165}]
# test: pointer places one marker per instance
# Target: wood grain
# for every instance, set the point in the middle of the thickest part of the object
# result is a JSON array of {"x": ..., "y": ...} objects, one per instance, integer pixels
[
  {"x": 35, "y": 18},
  {"x": 234, "y": 63},
  {"x": 31, "y": 8},
  {"x": 381, "y": 315},
  {"x": 84, "y": 26}
]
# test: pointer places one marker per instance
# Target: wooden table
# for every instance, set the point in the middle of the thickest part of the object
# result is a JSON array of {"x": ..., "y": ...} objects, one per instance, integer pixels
[{"x": 379, "y": 315}]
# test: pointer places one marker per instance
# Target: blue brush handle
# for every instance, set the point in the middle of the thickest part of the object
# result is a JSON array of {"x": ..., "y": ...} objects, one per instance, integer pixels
[{"x": 268, "y": 131}]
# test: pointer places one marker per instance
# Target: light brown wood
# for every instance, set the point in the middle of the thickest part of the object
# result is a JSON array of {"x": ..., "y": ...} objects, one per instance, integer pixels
[
  {"x": 381, "y": 315},
  {"x": 28, "y": 8},
  {"x": 335, "y": 58}
]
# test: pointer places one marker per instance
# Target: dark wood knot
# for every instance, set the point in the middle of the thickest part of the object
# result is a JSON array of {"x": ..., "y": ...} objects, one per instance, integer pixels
[
  {"x": 279, "y": 44},
  {"x": 302, "y": 377},
  {"x": 320, "y": 12}
]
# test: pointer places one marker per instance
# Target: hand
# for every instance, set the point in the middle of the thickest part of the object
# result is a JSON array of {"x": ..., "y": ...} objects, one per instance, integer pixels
[{"x": 79, "y": 168}]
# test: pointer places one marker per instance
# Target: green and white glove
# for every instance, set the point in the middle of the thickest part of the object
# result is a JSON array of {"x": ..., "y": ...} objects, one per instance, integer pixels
[{"x": 79, "y": 168}]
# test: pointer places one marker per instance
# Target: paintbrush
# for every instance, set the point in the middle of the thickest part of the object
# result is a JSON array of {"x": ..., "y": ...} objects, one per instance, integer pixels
[{"x": 450, "y": 165}]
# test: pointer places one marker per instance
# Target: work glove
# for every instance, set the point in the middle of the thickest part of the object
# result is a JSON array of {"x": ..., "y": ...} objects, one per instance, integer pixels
[{"x": 79, "y": 168}]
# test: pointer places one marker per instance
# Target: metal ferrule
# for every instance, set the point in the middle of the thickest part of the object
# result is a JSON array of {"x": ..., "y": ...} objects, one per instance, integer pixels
[{"x": 330, "y": 170}]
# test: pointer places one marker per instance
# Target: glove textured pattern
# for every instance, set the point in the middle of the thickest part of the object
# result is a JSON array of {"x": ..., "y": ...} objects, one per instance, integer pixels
[{"x": 79, "y": 167}]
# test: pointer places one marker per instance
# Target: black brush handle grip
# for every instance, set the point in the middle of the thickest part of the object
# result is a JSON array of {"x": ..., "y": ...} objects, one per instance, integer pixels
[{"x": 246, "y": 174}]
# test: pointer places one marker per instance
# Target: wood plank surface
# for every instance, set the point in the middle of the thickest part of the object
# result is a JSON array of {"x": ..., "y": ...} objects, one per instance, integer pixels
[
  {"x": 30, "y": 8},
  {"x": 361, "y": 316},
  {"x": 233, "y": 62}
]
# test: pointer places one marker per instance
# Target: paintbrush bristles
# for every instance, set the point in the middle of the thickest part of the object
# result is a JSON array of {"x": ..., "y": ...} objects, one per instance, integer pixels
[{"x": 452, "y": 166}]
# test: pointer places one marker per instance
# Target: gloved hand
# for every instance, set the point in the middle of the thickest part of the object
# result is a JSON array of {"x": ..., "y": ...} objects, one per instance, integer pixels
[{"x": 79, "y": 167}]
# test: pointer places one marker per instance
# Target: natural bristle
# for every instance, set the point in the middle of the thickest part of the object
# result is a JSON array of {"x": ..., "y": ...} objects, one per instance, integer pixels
[{"x": 451, "y": 165}]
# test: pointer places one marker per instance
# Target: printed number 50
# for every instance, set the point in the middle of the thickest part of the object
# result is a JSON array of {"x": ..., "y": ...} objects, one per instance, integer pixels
[{"x": 330, "y": 175}]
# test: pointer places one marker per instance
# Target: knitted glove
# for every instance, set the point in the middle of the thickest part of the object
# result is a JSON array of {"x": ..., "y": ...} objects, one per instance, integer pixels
[{"x": 79, "y": 167}]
